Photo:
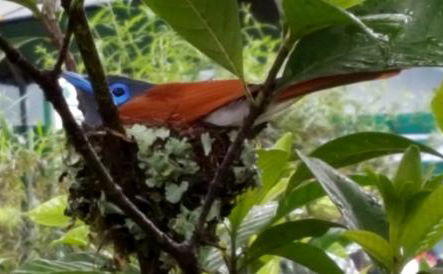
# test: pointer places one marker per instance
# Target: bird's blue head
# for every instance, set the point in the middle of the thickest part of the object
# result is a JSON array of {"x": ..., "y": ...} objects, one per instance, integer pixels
[{"x": 121, "y": 88}]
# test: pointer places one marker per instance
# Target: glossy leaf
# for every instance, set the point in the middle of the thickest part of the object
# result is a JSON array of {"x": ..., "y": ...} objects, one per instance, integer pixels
[
  {"x": 424, "y": 227},
  {"x": 359, "y": 210},
  {"x": 437, "y": 106},
  {"x": 307, "y": 16},
  {"x": 308, "y": 192},
  {"x": 284, "y": 233},
  {"x": 412, "y": 27},
  {"x": 51, "y": 213},
  {"x": 356, "y": 148},
  {"x": 211, "y": 26},
  {"x": 256, "y": 220},
  {"x": 374, "y": 245},
  {"x": 309, "y": 256}
]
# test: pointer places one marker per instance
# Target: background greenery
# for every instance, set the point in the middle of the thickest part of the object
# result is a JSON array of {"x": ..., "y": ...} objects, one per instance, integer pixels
[{"x": 144, "y": 47}]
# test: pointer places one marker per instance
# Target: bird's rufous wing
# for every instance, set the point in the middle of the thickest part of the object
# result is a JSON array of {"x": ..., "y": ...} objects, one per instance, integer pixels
[{"x": 180, "y": 104}]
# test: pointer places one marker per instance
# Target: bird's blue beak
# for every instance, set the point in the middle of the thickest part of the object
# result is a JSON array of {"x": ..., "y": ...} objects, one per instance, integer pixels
[{"x": 78, "y": 81}]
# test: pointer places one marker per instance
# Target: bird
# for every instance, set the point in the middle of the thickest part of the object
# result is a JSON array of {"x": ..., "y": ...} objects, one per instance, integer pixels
[{"x": 183, "y": 105}]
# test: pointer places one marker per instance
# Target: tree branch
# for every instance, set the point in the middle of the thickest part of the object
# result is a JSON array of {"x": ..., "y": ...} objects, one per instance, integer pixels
[
  {"x": 53, "y": 92},
  {"x": 91, "y": 59},
  {"x": 49, "y": 18},
  {"x": 64, "y": 50},
  {"x": 264, "y": 97}
]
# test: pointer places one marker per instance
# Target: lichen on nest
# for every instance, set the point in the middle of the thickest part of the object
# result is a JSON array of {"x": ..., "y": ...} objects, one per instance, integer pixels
[{"x": 176, "y": 171}]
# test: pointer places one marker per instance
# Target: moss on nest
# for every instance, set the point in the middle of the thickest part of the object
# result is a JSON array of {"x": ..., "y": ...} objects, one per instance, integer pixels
[{"x": 176, "y": 171}]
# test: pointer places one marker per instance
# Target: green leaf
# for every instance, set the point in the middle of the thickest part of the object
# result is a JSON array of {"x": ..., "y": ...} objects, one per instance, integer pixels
[
  {"x": 346, "y": 4},
  {"x": 437, "y": 106},
  {"x": 413, "y": 29},
  {"x": 309, "y": 256},
  {"x": 387, "y": 192},
  {"x": 424, "y": 227},
  {"x": 285, "y": 142},
  {"x": 374, "y": 245},
  {"x": 256, "y": 220},
  {"x": 298, "y": 197},
  {"x": 355, "y": 148},
  {"x": 42, "y": 266},
  {"x": 434, "y": 182},
  {"x": 408, "y": 179},
  {"x": 307, "y": 16},
  {"x": 309, "y": 192},
  {"x": 211, "y": 26},
  {"x": 271, "y": 267},
  {"x": 51, "y": 213},
  {"x": 77, "y": 236},
  {"x": 284, "y": 233},
  {"x": 30, "y": 4},
  {"x": 271, "y": 163},
  {"x": 359, "y": 210}
]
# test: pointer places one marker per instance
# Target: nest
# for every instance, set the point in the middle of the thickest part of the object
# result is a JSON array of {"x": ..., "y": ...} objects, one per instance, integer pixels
[{"x": 173, "y": 174}]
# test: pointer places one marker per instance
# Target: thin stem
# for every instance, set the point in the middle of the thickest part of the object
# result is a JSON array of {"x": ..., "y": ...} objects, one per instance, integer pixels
[
  {"x": 64, "y": 50},
  {"x": 263, "y": 99}
]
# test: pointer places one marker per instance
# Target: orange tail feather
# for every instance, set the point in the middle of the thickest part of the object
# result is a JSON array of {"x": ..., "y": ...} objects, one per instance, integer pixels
[{"x": 317, "y": 84}]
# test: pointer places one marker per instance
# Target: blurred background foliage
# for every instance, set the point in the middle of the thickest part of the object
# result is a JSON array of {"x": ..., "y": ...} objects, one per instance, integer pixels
[{"x": 134, "y": 42}]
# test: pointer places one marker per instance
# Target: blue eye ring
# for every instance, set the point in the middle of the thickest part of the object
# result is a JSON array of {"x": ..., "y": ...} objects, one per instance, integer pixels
[{"x": 120, "y": 93}]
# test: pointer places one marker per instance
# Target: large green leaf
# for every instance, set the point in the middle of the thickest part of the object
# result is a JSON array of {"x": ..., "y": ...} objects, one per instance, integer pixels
[
  {"x": 279, "y": 235},
  {"x": 310, "y": 256},
  {"x": 307, "y": 16},
  {"x": 51, "y": 213},
  {"x": 355, "y": 148},
  {"x": 437, "y": 106},
  {"x": 374, "y": 245},
  {"x": 412, "y": 27},
  {"x": 359, "y": 210},
  {"x": 424, "y": 228},
  {"x": 211, "y": 26},
  {"x": 308, "y": 192}
]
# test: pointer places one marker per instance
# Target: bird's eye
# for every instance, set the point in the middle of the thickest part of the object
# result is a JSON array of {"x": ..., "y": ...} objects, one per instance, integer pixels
[{"x": 118, "y": 91}]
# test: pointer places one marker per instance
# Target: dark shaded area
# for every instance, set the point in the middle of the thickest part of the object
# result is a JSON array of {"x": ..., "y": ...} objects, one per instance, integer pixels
[{"x": 264, "y": 10}]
